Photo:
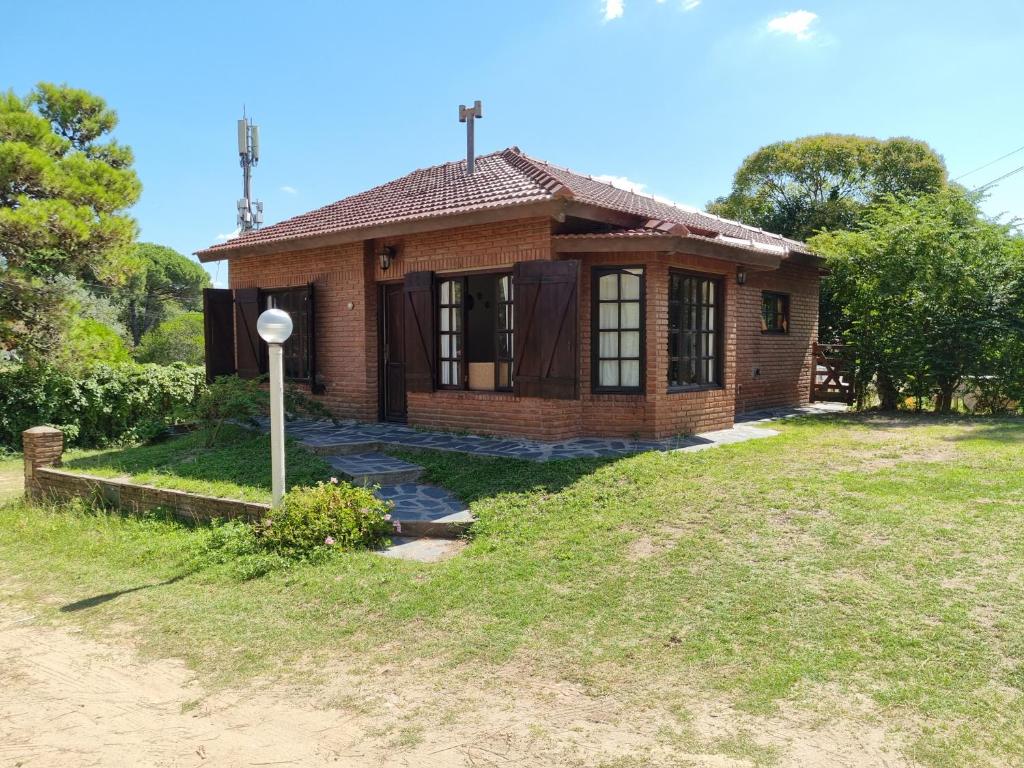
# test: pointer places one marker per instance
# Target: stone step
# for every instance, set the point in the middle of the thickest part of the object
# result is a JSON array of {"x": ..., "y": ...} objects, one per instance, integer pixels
[
  {"x": 341, "y": 448},
  {"x": 427, "y": 511},
  {"x": 374, "y": 469}
]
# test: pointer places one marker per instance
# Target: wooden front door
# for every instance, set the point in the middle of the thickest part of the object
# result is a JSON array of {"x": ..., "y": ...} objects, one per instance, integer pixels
[{"x": 392, "y": 338}]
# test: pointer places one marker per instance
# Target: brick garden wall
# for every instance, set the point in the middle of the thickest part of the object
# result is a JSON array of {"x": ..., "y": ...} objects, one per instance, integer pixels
[{"x": 43, "y": 481}]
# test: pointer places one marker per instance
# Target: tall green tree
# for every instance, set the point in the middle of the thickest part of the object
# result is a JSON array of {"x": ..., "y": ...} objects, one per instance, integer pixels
[
  {"x": 930, "y": 295},
  {"x": 65, "y": 187},
  {"x": 826, "y": 182},
  {"x": 163, "y": 283}
]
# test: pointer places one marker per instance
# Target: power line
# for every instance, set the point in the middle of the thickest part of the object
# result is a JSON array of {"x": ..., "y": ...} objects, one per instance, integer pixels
[
  {"x": 986, "y": 165},
  {"x": 995, "y": 181}
]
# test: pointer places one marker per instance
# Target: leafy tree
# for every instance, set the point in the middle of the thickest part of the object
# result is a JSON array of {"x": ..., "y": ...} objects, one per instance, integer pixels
[
  {"x": 64, "y": 190},
  {"x": 930, "y": 295},
  {"x": 89, "y": 341},
  {"x": 825, "y": 182},
  {"x": 163, "y": 282},
  {"x": 801, "y": 187},
  {"x": 177, "y": 339}
]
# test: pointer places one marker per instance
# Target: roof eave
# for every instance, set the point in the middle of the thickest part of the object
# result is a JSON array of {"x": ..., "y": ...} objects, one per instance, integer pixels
[
  {"x": 668, "y": 244},
  {"x": 539, "y": 208}
]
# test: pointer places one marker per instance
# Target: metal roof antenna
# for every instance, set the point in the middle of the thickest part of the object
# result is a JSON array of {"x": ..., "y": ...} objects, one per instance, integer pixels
[
  {"x": 250, "y": 212},
  {"x": 469, "y": 116}
]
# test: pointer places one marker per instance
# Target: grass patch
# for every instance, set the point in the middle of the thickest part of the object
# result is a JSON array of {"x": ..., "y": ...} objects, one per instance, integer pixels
[
  {"x": 849, "y": 557},
  {"x": 237, "y": 467}
]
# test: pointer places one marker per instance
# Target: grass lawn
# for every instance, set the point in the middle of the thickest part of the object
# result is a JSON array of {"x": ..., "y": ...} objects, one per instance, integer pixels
[
  {"x": 867, "y": 568},
  {"x": 237, "y": 467}
]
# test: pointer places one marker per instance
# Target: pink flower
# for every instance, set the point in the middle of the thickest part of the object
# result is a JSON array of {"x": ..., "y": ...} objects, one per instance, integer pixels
[
  {"x": 329, "y": 541},
  {"x": 398, "y": 526},
  {"x": 387, "y": 517},
  {"x": 334, "y": 481}
]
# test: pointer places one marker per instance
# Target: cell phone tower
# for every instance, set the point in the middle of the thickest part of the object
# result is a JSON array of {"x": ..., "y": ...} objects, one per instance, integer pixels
[{"x": 250, "y": 212}]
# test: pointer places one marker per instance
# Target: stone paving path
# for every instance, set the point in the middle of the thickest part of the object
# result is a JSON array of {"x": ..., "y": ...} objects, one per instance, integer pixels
[{"x": 354, "y": 449}]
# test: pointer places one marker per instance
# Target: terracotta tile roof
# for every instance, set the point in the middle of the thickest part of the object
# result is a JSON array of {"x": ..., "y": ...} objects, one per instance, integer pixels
[{"x": 502, "y": 179}]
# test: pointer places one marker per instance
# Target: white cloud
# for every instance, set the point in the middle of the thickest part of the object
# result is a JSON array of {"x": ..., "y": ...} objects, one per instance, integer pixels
[
  {"x": 795, "y": 23},
  {"x": 689, "y": 5},
  {"x": 612, "y": 9},
  {"x": 229, "y": 235},
  {"x": 289, "y": 190}
]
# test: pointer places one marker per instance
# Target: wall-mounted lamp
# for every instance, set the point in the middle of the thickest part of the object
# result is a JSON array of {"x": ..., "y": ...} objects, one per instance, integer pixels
[
  {"x": 741, "y": 276},
  {"x": 387, "y": 254}
]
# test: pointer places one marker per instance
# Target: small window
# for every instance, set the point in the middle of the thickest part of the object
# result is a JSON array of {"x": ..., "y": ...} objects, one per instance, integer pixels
[
  {"x": 694, "y": 336},
  {"x": 774, "y": 313},
  {"x": 618, "y": 327},
  {"x": 296, "y": 350}
]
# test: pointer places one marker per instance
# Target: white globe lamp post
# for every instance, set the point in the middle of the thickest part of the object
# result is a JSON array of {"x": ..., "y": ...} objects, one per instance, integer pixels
[{"x": 274, "y": 327}]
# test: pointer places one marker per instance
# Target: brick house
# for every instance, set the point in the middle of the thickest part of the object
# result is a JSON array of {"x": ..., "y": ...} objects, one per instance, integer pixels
[{"x": 524, "y": 299}]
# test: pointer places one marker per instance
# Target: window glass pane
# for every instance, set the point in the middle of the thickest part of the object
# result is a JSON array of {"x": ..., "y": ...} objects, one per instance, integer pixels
[
  {"x": 504, "y": 348},
  {"x": 446, "y": 346},
  {"x": 504, "y": 375},
  {"x": 502, "y": 319},
  {"x": 673, "y": 372},
  {"x": 675, "y": 315},
  {"x": 445, "y": 315},
  {"x": 446, "y": 292},
  {"x": 609, "y": 373},
  {"x": 630, "y": 314},
  {"x": 630, "y": 285},
  {"x": 609, "y": 345},
  {"x": 502, "y": 289},
  {"x": 608, "y": 287},
  {"x": 609, "y": 316},
  {"x": 630, "y": 373},
  {"x": 456, "y": 291},
  {"x": 630, "y": 344}
]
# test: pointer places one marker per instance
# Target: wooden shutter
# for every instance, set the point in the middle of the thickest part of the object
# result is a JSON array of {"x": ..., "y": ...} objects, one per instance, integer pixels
[
  {"x": 418, "y": 307},
  {"x": 247, "y": 341},
  {"x": 219, "y": 332},
  {"x": 546, "y": 329},
  {"x": 314, "y": 385}
]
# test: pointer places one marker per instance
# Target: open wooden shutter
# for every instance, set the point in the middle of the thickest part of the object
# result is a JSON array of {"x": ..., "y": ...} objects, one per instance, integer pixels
[
  {"x": 219, "y": 332},
  {"x": 418, "y": 300},
  {"x": 314, "y": 384},
  {"x": 546, "y": 329},
  {"x": 247, "y": 346}
]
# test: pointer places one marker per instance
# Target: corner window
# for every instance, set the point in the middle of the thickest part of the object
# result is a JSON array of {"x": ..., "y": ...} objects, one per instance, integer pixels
[
  {"x": 296, "y": 350},
  {"x": 774, "y": 312},
  {"x": 694, "y": 335},
  {"x": 618, "y": 327},
  {"x": 475, "y": 332}
]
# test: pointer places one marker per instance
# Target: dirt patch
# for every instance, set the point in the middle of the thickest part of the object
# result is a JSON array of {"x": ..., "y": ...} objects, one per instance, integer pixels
[{"x": 69, "y": 700}]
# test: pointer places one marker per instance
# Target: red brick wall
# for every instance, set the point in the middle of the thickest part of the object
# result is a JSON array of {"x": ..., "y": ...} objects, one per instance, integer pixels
[
  {"x": 347, "y": 336},
  {"x": 657, "y": 412},
  {"x": 782, "y": 361}
]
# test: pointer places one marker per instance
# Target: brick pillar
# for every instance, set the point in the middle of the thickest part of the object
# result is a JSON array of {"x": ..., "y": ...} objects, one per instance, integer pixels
[{"x": 43, "y": 448}]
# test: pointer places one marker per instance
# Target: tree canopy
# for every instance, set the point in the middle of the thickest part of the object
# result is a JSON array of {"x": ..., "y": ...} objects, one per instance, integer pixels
[
  {"x": 163, "y": 282},
  {"x": 64, "y": 191},
  {"x": 824, "y": 182},
  {"x": 930, "y": 293}
]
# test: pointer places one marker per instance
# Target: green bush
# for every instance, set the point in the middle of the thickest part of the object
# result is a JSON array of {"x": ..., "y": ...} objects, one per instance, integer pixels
[
  {"x": 325, "y": 516},
  {"x": 89, "y": 341},
  {"x": 230, "y": 398},
  {"x": 178, "y": 339},
  {"x": 98, "y": 405}
]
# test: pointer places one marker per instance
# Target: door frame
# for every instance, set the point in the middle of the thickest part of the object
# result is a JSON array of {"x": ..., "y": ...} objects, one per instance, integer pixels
[{"x": 382, "y": 369}]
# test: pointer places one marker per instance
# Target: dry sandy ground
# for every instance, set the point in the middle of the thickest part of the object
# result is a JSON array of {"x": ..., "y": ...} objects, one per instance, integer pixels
[{"x": 67, "y": 700}]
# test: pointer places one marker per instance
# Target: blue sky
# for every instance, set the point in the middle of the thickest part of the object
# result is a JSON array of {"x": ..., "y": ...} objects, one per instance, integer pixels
[{"x": 670, "y": 95}]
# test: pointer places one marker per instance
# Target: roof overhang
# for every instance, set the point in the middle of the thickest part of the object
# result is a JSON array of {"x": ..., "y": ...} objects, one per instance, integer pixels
[
  {"x": 545, "y": 208},
  {"x": 667, "y": 244}
]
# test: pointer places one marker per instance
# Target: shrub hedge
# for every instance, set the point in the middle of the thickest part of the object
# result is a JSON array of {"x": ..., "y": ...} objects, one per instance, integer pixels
[{"x": 99, "y": 405}]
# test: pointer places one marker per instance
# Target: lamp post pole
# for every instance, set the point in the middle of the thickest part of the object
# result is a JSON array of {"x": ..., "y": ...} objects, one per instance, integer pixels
[
  {"x": 274, "y": 327},
  {"x": 276, "y": 424}
]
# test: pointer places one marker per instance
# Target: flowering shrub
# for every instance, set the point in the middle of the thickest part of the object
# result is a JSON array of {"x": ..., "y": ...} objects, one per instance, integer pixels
[{"x": 324, "y": 516}]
